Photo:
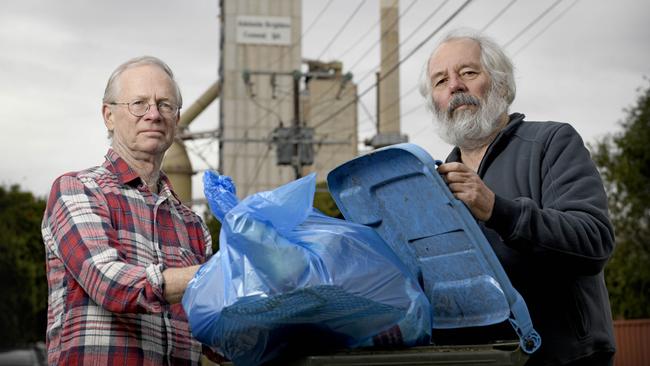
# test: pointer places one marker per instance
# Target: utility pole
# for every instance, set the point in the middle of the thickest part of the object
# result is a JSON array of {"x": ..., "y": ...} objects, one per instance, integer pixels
[
  {"x": 297, "y": 158},
  {"x": 378, "y": 101},
  {"x": 388, "y": 108},
  {"x": 295, "y": 144}
]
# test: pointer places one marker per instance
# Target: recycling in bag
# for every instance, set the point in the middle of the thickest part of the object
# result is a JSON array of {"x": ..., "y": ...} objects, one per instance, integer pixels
[{"x": 289, "y": 279}]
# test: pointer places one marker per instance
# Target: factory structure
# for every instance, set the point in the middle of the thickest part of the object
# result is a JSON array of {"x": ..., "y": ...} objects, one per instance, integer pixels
[{"x": 282, "y": 116}]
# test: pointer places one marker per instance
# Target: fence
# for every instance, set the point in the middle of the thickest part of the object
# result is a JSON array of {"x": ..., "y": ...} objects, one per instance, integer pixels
[{"x": 632, "y": 342}]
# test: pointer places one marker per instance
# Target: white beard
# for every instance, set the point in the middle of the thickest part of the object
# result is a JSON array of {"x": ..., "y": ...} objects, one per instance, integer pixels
[{"x": 470, "y": 129}]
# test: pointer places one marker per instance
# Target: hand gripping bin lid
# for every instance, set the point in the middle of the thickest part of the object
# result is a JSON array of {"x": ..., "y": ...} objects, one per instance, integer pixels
[{"x": 398, "y": 192}]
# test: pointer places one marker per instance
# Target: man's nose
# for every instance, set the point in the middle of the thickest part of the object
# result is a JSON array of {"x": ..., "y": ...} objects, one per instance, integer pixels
[
  {"x": 456, "y": 84},
  {"x": 153, "y": 112}
]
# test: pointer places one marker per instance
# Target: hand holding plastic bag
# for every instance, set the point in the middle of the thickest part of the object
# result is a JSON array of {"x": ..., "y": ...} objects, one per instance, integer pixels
[{"x": 288, "y": 279}]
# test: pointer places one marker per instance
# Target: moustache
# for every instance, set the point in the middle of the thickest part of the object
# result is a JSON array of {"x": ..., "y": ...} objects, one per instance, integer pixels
[{"x": 462, "y": 99}]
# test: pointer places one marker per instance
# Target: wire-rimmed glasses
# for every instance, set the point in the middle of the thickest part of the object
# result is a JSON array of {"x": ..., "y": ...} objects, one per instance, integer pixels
[{"x": 139, "y": 108}]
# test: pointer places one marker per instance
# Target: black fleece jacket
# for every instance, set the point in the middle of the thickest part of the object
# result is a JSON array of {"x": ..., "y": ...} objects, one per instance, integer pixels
[{"x": 551, "y": 231}]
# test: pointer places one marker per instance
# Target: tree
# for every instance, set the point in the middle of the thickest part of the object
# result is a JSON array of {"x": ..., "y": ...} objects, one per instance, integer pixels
[
  {"x": 324, "y": 202},
  {"x": 624, "y": 162},
  {"x": 23, "y": 309},
  {"x": 214, "y": 227}
]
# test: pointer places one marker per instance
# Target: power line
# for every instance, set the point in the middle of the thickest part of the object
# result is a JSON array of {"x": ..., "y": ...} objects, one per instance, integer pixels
[
  {"x": 397, "y": 100},
  {"x": 426, "y": 20},
  {"x": 302, "y": 35},
  {"x": 369, "y": 128},
  {"x": 410, "y": 91},
  {"x": 269, "y": 110},
  {"x": 370, "y": 118},
  {"x": 526, "y": 28},
  {"x": 341, "y": 29},
  {"x": 499, "y": 14},
  {"x": 320, "y": 13},
  {"x": 383, "y": 35},
  {"x": 258, "y": 167},
  {"x": 415, "y": 108},
  {"x": 392, "y": 69},
  {"x": 545, "y": 28},
  {"x": 265, "y": 108},
  {"x": 365, "y": 109},
  {"x": 356, "y": 43},
  {"x": 293, "y": 45},
  {"x": 197, "y": 153},
  {"x": 494, "y": 19},
  {"x": 322, "y": 122},
  {"x": 403, "y": 114},
  {"x": 491, "y": 22},
  {"x": 320, "y": 107}
]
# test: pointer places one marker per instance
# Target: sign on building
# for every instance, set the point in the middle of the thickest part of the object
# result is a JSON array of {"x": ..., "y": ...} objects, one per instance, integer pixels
[{"x": 264, "y": 30}]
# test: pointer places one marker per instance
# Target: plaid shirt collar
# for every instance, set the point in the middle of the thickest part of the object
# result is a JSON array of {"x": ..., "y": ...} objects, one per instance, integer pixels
[{"x": 127, "y": 176}]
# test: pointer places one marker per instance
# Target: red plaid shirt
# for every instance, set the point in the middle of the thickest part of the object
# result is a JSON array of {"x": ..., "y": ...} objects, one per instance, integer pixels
[{"x": 108, "y": 239}]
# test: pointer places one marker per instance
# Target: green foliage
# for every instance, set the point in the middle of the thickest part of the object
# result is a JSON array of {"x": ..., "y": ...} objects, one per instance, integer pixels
[
  {"x": 214, "y": 227},
  {"x": 23, "y": 309},
  {"x": 624, "y": 163},
  {"x": 324, "y": 202}
]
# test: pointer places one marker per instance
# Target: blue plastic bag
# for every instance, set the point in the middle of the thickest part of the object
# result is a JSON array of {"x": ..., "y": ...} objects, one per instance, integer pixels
[{"x": 289, "y": 280}]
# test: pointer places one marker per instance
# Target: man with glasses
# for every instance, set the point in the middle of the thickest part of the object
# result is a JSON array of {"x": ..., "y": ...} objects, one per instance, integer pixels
[{"x": 120, "y": 245}]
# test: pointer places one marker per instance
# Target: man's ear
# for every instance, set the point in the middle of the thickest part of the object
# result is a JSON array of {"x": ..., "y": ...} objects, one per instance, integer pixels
[
  {"x": 107, "y": 113},
  {"x": 178, "y": 118}
]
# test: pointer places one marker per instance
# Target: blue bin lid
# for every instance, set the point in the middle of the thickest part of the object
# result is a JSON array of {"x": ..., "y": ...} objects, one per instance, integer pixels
[{"x": 398, "y": 192}]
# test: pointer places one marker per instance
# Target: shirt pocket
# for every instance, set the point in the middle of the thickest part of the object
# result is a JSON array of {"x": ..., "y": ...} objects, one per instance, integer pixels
[{"x": 179, "y": 257}]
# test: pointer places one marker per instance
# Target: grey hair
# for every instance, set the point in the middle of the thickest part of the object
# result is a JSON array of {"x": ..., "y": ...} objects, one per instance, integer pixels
[
  {"x": 111, "y": 91},
  {"x": 493, "y": 59}
]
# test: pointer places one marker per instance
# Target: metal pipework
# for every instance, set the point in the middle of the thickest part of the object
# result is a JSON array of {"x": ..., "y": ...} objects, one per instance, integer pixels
[
  {"x": 177, "y": 164},
  {"x": 200, "y": 104}
]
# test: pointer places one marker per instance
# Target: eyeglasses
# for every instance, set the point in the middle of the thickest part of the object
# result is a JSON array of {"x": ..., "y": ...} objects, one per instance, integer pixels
[{"x": 139, "y": 108}]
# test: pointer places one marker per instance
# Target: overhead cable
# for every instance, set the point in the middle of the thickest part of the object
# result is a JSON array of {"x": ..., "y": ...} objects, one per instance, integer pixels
[
  {"x": 426, "y": 20},
  {"x": 341, "y": 29},
  {"x": 526, "y": 28},
  {"x": 382, "y": 36},
  {"x": 392, "y": 69},
  {"x": 356, "y": 43},
  {"x": 545, "y": 28},
  {"x": 499, "y": 14},
  {"x": 303, "y": 34}
]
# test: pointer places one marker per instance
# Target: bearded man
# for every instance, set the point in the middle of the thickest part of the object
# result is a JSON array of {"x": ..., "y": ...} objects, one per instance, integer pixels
[{"x": 535, "y": 192}]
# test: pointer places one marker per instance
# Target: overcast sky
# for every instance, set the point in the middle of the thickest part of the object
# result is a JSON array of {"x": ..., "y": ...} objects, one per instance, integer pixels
[{"x": 581, "y": 63}]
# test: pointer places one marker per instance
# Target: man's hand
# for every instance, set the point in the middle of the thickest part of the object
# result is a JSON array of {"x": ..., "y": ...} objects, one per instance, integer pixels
[
  {"x": 176, "y": 280},
  {"x": 466, "y": 185}
]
